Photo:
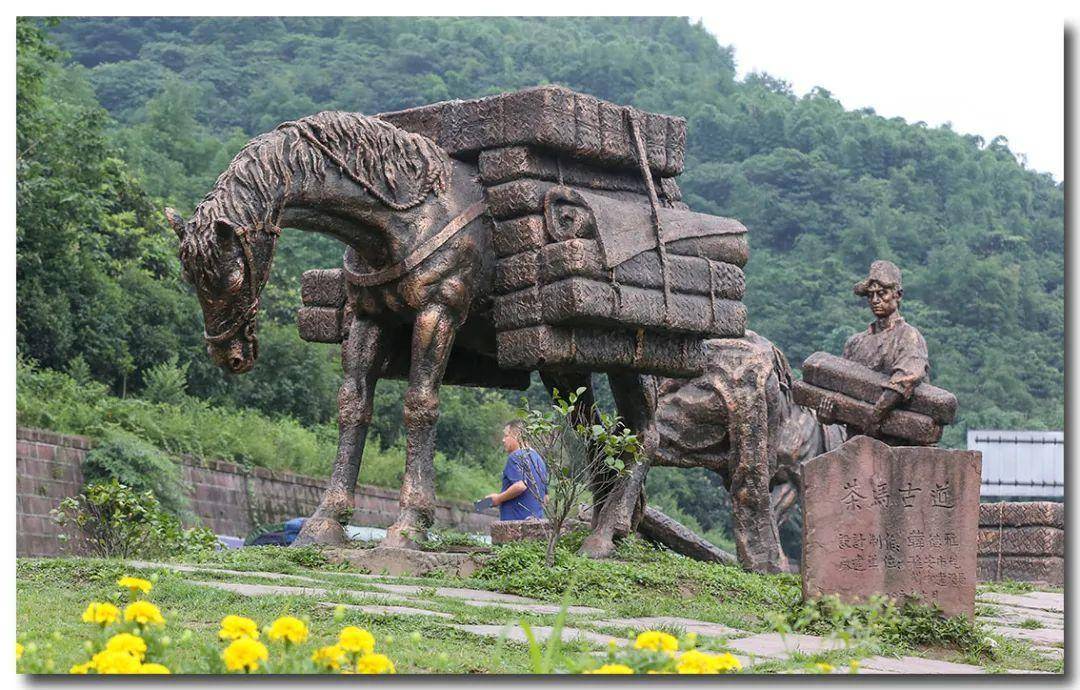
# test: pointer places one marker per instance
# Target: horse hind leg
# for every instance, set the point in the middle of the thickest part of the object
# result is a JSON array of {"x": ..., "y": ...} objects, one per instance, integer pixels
[
  {"x": 433, "y": 338},
  {"x": 360, "y": 355}
]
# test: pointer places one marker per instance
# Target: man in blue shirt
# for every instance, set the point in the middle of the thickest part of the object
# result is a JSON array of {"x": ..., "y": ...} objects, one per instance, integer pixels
[{"x": 524, "y": 480}]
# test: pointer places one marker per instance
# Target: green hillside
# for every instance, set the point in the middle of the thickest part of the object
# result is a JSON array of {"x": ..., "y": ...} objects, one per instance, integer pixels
[{"x": 143, "y": 111}]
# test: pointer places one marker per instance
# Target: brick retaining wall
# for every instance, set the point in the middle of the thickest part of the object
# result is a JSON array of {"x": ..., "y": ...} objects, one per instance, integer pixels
[{"x": 48, "y": 469}]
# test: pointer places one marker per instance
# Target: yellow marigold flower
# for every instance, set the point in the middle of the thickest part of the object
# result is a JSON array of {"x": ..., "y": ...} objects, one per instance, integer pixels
[
  {"x": 155, "y": 669},
  {"x": 289, "y": 629},
  {"x": 612, "y": 669},
  {"x": 354, "y": 639},
  {"x": 143, "y": 613},
  {"x": 824, "y": 668},
  {"x": 657, "y": 641},
  {"x": 126, "y": 642},
  {"x": 329, "y": 657},
  {"x": 135, "y": 584},
  {"x": 854, "y": 666},
  {"x": 244, "y": 654},
  {"x": 375, "y": 663},
  {"x": 116, "y": 662},
  {"x": 727, "y": 662},
  {"x": 101, "y": 614},
  {"x": 694, "y": 661},
  {"x": 18, "y": 651},
  {"x": 235, "y": 627},
  {"x": 82, "y": 669}
]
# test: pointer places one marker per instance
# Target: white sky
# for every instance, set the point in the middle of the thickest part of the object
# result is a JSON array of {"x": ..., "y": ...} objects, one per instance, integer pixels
[{"x": 988, "y": 69}]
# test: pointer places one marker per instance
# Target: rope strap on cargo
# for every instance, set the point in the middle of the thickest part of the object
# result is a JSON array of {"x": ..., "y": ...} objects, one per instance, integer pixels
[{"x": 654, "y": 204}]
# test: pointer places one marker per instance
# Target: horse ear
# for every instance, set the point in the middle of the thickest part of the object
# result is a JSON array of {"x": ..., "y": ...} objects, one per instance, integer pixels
[{"x": 175, "y": 221}]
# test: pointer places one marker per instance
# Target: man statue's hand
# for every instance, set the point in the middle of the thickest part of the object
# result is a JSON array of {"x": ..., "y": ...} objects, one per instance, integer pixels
[
  {"x": 888, "y": 400},
  {"x": 826, "y": 409}
]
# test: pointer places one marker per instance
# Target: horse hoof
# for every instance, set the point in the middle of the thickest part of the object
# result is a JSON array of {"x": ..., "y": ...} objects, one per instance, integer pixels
[
  {"x": 404, "y": 536},
  {"x": 320, "y": 530},
  {"x": 597, "y": 546}
]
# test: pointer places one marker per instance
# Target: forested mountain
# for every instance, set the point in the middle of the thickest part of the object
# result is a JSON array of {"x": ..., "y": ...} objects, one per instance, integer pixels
[{"x": 144, "y": 111}]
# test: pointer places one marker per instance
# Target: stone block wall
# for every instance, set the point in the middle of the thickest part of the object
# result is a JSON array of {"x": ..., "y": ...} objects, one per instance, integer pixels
[
  {"x": 228, "y": 499},
  {"x": 1022, "y": 541}
]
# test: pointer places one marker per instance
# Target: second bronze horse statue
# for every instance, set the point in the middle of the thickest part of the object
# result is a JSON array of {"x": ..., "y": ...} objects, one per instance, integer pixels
[{"x": 412, "y": 219}]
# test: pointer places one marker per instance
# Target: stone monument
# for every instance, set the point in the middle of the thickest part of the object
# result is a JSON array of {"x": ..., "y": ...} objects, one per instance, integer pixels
[{"x": 898, "y": 521}]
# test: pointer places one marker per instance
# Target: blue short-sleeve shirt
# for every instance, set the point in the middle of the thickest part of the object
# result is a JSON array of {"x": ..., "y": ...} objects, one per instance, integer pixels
[{"x": 524, "y": 465}]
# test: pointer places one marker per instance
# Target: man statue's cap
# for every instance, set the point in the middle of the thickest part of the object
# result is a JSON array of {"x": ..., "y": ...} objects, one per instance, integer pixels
[{"x": 884, "y": 272}]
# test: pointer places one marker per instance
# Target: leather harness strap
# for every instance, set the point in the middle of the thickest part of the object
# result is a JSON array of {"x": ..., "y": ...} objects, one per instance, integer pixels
[
  {"x": 426, "y": 249},
  {"x": 247, "y": 319}
]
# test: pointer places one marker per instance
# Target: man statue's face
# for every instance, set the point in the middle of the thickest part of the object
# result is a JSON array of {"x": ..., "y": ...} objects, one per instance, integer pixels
[{"x": 883, "y": 300}]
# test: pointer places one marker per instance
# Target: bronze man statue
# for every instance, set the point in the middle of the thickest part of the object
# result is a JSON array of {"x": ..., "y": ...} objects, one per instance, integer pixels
[{"x": 890, "y": 345}]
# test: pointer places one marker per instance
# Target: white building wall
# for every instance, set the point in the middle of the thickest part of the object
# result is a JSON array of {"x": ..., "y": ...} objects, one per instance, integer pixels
[{"x": 1020, "y": 463}]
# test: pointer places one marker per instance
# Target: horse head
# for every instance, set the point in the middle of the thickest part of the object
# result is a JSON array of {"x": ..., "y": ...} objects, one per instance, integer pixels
[{"x": 228, "y": 265}]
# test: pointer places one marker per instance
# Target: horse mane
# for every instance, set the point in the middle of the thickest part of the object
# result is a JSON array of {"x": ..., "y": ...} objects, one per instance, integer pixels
[{"x": 398, "y": 168}]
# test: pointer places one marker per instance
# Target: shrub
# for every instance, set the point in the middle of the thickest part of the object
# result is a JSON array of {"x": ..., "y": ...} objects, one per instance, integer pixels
[
  {"x": 140, "y": 466},
  {"x": 111, "y": 520},
  {"x": 166, "y": 382}
]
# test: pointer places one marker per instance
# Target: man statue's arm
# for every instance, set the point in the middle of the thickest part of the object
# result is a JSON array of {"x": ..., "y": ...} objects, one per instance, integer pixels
[{"x": 909, "y": 369}]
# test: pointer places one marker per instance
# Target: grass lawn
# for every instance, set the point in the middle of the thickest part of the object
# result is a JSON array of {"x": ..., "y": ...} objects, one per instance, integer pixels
[{"x": 52, "y": 593}]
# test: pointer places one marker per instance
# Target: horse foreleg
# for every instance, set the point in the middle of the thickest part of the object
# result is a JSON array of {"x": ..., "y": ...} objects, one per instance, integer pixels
[
  {"x": 624, "y": 503},
  {"x": 757, "y": 539},
  {"x": 359, "y": 359},
  {"x": 433, "y": 338}
]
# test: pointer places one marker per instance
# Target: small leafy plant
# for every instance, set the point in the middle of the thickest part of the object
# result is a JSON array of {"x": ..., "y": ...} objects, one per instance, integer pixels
[
  {"x": 111, "y": 520},
  {"x": 585, "y": 449}
]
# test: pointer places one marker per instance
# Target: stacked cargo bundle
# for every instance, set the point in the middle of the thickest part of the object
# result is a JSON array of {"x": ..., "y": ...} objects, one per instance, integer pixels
[
  {"x": 600, "y": 266},
  {"x": 855, "y": 388},
  {"x": 322, "y": 319},
  {"x": 1022, "y": 541}
]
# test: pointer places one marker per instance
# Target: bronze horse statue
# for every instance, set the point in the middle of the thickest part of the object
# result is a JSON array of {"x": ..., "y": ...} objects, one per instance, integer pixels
[
  {"x": 418, "y": 239},
  {"x": 739, "y": 419}
]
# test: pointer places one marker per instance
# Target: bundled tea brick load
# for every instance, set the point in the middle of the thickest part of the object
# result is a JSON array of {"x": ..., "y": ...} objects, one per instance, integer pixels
[
  {"x": 581, "y": 281},
  {"x": 855, "y": 388},
  {"x": 1022, "y": 541}
]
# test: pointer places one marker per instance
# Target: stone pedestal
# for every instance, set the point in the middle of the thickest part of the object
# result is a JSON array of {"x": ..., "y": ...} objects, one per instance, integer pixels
[
  {"x": 389, "y": 560},
  {"x": 898, "y": 521},
  {"x": 508, "y": 531}
]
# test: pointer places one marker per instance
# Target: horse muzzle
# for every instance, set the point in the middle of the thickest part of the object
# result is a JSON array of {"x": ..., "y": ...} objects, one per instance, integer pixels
[{"x": 236, "y": 355}]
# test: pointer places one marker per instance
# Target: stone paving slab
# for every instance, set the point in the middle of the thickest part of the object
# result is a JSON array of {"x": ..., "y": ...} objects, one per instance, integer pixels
[
  {"x": 542, "y": 609},
  {"x": 1012, "y": 615},
  {"x": 382, "y": 610},
  {"x": 782, "y": 646},
  {"x": 259, "y": 590},
  {"x": 515, "y": 633},
  {"x": 251, "y": 590},
  {"x": 916, "y": 665},
  {"x": 1037, "y": 636},
  {"x": 1052, "y": 652},
  {"x": 192, "y": 568},
  {"x": 688, "y": 624},
  {"x": 1044, "y": 601},
  {"x": 455, "y": 593}
]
